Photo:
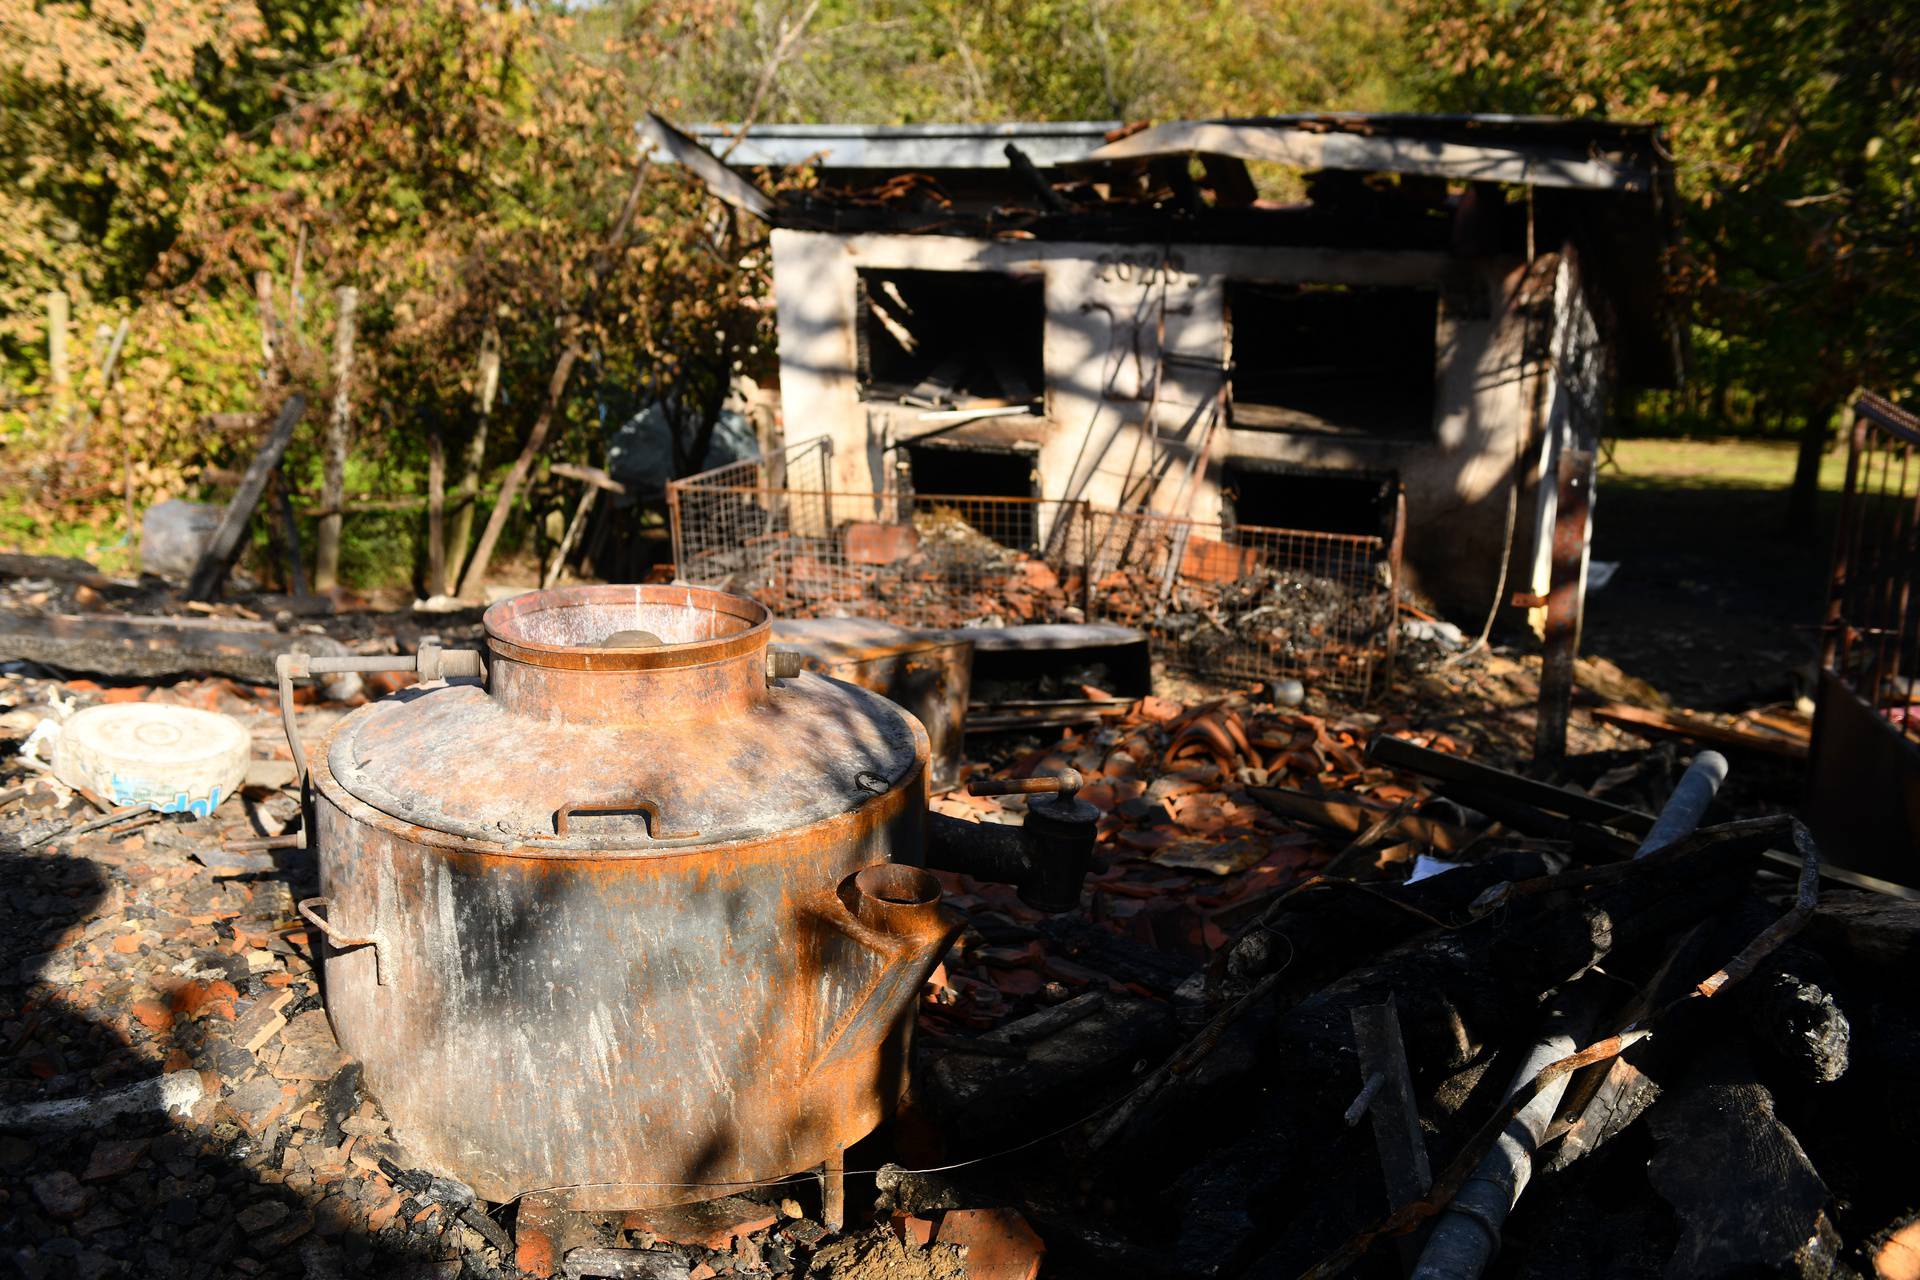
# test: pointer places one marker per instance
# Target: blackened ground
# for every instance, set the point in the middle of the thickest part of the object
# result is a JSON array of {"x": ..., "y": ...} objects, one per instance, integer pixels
[{"x": 1718, "y": 596}]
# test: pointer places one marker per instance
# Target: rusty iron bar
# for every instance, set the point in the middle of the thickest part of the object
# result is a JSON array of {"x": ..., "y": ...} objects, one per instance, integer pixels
[
  {"x": 1065, "y": 783},
  {"x": 833, "y": 1189},
  {"x": 431, "y": 663}
]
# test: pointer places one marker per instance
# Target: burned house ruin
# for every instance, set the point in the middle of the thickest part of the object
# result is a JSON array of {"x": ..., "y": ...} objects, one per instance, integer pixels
[{"x": 1282, "y": 323}]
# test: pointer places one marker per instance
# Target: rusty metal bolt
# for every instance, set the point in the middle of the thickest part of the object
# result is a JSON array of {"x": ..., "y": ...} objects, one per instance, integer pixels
[{"x": 784, "y": 664}]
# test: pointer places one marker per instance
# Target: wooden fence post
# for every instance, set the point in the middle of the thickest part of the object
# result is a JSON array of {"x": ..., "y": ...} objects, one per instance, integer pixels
[
  {"x": 333, "y": 486},
  {"x": 58, "y": 314},
  {"x": 436, "y": 515},
  {"x": 475, "y": 579}
]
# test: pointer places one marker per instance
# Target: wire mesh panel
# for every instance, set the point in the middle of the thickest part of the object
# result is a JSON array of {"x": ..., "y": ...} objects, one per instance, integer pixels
[
  {"x": 1250, "y": 602},
  {"x": 932, "y": 561},
  {"x": 807, "y": 465},
  {"x": 1873, "y": 631}
]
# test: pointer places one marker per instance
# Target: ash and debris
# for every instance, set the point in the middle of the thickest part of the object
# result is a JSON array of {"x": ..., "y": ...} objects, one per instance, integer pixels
[{"x": 145, "y": 949}]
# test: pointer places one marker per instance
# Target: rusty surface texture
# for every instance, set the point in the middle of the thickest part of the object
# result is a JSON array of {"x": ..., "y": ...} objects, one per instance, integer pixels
[
  {"x": 929, "y": 675},
  {"x": 1863, "y": 798},
  {"x": 623, "y": 1013}
]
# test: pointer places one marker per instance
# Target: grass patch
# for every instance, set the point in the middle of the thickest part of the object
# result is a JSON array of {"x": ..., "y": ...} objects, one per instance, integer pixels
[
  {"x": 1713, "y": 464},
  {"x": 100, "y": 540}
]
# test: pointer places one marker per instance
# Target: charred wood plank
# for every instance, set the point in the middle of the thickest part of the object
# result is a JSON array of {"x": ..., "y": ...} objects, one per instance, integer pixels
[
  {"x": 1750, "y": 1202},
  {"x": 1593, "y": 842},
  {"x": 58, "y": 568},
  {"x": 1877, "y": 934},
  {"x": 1401, "y": 754},
  {"x": 1460, "y": 992},
  {"x": 132, "y": 647},
  {"x": 1393, "y": 1107},
  {"x": 1123, "y": 960},
  {"x": 224, "y": 546}
]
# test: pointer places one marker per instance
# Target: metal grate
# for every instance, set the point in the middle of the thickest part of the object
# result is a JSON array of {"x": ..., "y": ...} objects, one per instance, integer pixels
[
  {"x": 1873, "y": 610},
  {"x": 807, "y": 465},
  {"x": 932, "y": 562},
  {"x": 1247, "y": 602},
  {"x": 1250, "y": 602}
]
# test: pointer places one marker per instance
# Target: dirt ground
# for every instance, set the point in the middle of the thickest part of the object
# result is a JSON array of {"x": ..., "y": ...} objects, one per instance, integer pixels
[{"x": 1717, "y": 597}]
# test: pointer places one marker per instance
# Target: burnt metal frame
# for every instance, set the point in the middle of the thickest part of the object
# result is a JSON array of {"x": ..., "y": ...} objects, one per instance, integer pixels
[{"x": 1864, "y": 766}]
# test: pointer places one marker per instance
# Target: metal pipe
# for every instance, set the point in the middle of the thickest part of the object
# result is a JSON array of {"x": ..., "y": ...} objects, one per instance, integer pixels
[
  {"x": 1046, "y": 858},
  {"x": 430, "y": 663},
  {"x": 1467, "y": 1236},
  {"x": 1688, "y": 803}
]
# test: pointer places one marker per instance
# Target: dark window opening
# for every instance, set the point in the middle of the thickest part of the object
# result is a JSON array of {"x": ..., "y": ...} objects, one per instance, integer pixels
[
  {"x": 1273, "y": 496},
  {"x": 936, "y": 471},
  {"x": 944, "y": 338},
  {"x": 1334, "y": 359}
]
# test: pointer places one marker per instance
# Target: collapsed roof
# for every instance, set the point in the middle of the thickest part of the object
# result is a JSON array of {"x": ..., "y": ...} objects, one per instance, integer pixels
[{"x": 1470, "y": 185}]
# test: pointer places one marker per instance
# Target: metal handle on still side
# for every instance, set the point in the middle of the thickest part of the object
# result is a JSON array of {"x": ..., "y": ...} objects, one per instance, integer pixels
[
  {"x": 563, "y": 815},
  {"x": 340, "y": 941},
  {"x": 431, "y": 663}
]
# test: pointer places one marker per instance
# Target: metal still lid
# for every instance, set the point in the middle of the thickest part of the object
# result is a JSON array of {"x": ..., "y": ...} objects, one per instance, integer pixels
[
  {"x": 452, "y": 759},
  {"x": 629, "y": 749}
]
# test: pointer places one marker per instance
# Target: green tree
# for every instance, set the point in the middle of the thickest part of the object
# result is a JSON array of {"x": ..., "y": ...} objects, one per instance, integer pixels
[{"x": 1794, "y": 127}]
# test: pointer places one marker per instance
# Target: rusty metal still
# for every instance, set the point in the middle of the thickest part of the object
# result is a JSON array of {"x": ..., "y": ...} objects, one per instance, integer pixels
[{"x": 632, "y": 917}]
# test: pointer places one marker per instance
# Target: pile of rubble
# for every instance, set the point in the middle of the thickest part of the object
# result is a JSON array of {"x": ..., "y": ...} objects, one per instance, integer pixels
[
  {"x": 1700, "y": 1053},
  {"x": 1320, "y": 965}
]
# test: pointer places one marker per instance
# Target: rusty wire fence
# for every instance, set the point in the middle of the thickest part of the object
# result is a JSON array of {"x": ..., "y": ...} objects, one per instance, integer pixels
[
  {"x": 929, "y": 562},
  {"x": 1872, "y": 643},
  {"x": 1239, "y": 603},
  {"x": 1250, "y": 602},
  {"x": 806, "y": 466},
  {"x": 1863, "y": 782}
]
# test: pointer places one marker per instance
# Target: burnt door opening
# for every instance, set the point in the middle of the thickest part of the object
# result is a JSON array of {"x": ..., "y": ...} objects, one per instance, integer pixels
[
  {"x": 1333, "y": 359},
  {"x": 1273, "y": 496},
  {"x": 939, "y": 471},
  {"x": 944, "y": 338}
]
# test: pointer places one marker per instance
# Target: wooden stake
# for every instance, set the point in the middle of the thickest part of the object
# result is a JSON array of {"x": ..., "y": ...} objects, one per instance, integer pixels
[
  {"x": 333, "y": 486},
  {"x": 436, "y": 515},
  {"x": 269, "y": 328},
  {"x": 476, "y": 575},
  {"x": 587, "y": 494}
]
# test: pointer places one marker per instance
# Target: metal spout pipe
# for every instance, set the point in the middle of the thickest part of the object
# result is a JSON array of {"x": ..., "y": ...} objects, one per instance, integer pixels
[{"x": 1046, "y": 858}]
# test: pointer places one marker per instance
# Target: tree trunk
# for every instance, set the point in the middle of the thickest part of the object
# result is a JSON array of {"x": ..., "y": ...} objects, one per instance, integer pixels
[
  {"x": 476, "y": 458},
  {"x": 333, "y": 485},
  {"x": 58, "y": 374},
  {"x": 1803, "y": 497},
  {"x": 476, "y": 575}
]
